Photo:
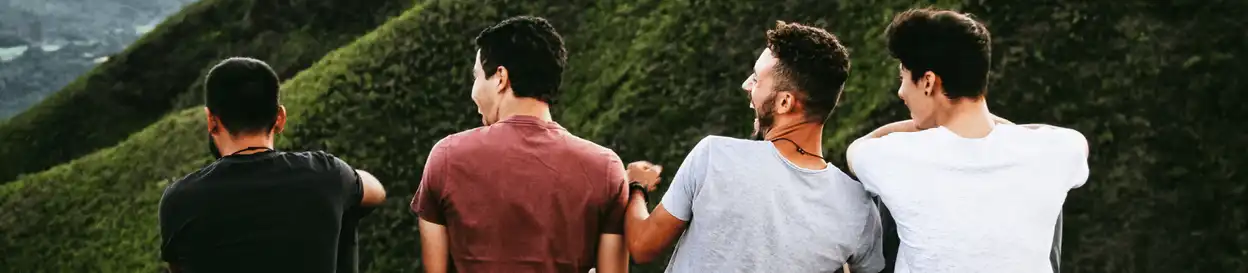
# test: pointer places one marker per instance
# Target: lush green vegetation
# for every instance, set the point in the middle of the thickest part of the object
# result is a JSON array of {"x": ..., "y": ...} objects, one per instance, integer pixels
[
  {"x": 1153, "y": 92},
  {"x": 161, "y": 72},
  {"x": 1152, "y": 85}
]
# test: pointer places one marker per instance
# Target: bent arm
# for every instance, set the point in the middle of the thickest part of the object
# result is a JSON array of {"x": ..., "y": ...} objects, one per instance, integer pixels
[
  {"x": 612, "y": 255},
  {"x": 648, "y": 234},
  {"x": 434, "y": 246},
  {"x": 373, "y": 193}
]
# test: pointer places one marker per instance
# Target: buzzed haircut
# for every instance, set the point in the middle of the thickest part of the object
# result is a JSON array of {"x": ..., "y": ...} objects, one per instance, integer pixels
[
  {"x": 813, "y": 63},
  {"x": 531, "y": 50},
  {"x": 242, "y": 94},
  {"x": 949, "y": 44}
]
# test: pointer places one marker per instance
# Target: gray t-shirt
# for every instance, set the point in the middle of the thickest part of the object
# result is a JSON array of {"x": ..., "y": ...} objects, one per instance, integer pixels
[{"x": 750, "y": 210}]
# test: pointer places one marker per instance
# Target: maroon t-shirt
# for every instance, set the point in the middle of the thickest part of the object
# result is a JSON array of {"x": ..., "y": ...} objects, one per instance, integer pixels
[{"x": 522, "y": 195}]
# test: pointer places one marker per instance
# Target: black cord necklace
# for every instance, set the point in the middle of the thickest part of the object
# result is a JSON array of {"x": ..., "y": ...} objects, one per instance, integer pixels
[
  {"x": 262, "y": 148},
  {"x": 799, "y": 148}
]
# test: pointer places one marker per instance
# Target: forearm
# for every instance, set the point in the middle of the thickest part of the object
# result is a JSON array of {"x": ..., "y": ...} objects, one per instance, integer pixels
[
  {"x": 895, "y": 127},
  {"x": 636, "y": 228}
]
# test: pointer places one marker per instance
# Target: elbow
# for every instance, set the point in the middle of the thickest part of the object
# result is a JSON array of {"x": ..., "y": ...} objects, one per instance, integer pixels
[{"x": 641, "y": 253}]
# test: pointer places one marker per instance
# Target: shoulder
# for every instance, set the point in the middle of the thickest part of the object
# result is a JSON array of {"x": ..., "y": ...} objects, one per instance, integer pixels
[
  {"x": 712, "y": 143},
  {"x": 187, "y": 184},
  {"x": 314, "y": 158},
  {"x": 887, "y": 144},
  {"x": 592, "y": 150},
  {"x": 1065, "y": 138},
  {"x": 452, "y": 142}
]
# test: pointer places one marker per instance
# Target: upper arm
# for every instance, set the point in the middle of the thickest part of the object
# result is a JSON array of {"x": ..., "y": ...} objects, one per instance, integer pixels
[
  {"x": 1074, "y": 149},
  {"x": 361, "y": 188},
  {"x": 1079, "y": 159},
  {"x": 862, "y": 157},
  {"x": 372, "y": 191},
  {"x": 678, "y": 200},
  {"x": 167, "y": 230},
  {"x": 612, "y": 255},
  {"x": 428, "y": 203},
  {"x": 869, "y": 255},
  {"x": 616, "y": 206},
  {"x": 852, "y": 151}
]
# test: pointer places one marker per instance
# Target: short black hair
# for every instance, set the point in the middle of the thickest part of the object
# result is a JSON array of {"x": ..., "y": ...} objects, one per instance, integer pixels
[
  {"x": 812, "y": 62},
  {"x": 949, "y": 44},
  {"x": 531, "y": 50},
  {"x": 242, "y": 94}
]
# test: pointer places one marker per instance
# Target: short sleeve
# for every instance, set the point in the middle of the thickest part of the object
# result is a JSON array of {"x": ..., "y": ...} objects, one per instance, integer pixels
[
  {"x": 617, "y": 204},
  {"x": 1078, "y": 157},
  {"x": 864, "y": 157},
  {"x": 679, "y": 197},
  {"x": 348, "y": 181},
  {"x": 428, "y": 204},
  {"x": 869, "y": 255},
  {"x": 167, "y": 225}
]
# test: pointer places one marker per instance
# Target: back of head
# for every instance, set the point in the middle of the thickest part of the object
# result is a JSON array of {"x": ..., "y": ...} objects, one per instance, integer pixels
[
  {"x": 813, "y": 63},
  {"x": 242, "y": 94},
  {"x": 531, "y": 50},
  {"x": 949, "y": 44}
]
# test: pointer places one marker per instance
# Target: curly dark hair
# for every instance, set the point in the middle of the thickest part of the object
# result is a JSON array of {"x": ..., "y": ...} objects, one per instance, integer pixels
[
  {"x": 949, "y": 44},
  {"x": 531, "y": 50},
  {"x": 813, "y": 63}
]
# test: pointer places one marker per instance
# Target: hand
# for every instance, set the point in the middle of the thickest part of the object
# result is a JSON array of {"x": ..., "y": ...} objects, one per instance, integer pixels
[{"x": 645, "y": 173}]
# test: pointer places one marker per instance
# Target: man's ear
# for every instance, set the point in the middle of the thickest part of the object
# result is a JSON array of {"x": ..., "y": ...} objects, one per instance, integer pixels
[
  {"x": 209, "y": 121},
  {"x": 280, "y": 125},
  {"x": 931, "y": 83},
  {"x": 504, "y": 78},
  {"x": 785, "y": 103}
]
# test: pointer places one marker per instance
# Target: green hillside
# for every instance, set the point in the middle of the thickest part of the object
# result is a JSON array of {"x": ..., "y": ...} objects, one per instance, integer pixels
[
  {"x": 158, "y": 73},
  {"x": 648, "y": 78}
]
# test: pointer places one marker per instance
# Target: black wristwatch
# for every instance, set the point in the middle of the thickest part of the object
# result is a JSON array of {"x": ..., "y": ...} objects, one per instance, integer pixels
[{"x": 645, "y": 194}]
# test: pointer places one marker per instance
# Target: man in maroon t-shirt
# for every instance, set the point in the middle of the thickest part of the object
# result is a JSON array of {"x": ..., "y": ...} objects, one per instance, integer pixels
[{"x": 521, "y": 194}]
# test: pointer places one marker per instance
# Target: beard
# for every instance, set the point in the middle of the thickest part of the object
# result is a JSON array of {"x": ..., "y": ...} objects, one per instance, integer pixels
[
  {"x": 764, "y": 118},
  {"x": 212, "y": 148}
]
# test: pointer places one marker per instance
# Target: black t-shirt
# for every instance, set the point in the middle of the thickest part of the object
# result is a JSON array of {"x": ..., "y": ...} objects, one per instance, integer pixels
[{"x": 266, "y": 212}]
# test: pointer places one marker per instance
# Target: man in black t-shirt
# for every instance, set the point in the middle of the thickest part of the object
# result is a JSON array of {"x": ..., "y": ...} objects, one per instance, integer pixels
[{"x": 257, "y": 209}]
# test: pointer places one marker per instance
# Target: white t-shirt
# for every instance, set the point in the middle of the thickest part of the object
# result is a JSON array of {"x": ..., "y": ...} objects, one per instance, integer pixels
[{"x": 973, "y": 205}]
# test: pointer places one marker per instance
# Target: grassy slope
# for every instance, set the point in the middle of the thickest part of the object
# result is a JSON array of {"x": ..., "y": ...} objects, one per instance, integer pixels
[
  {"x": 105, "y": 203},
  {"x": 161, "y": 72}
]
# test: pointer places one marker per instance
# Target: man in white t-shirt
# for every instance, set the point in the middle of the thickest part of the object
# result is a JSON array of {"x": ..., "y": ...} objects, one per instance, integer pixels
[{"x": 969, "y": 192}]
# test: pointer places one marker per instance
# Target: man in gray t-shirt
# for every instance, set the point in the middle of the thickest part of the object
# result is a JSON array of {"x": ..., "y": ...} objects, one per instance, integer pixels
[{"x": 770, "y": 205}]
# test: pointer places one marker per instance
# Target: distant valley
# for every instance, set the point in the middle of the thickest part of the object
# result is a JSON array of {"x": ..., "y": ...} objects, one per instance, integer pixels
[{"x": 46, "y": 44}]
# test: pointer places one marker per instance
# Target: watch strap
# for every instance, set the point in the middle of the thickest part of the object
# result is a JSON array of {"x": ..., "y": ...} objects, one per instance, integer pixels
[{"x": 645, "y": 194}]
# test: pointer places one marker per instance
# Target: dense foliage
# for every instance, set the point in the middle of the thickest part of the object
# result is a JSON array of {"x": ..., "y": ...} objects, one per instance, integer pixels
[
  {"x": 1153, "y": 86},
  {"x": 161, "y": 71},
  {"x": 1152, "y": 91}
]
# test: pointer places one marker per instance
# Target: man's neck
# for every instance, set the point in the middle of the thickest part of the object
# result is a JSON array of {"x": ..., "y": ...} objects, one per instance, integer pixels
[
  {"x": 524, "y": 107},
  {"x": 229, "y": 145},
  {"x": 808, "y": 136},
  {"x": 969, "y": 119}
]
